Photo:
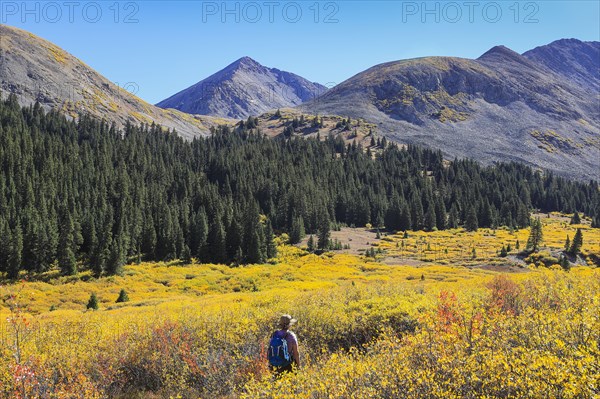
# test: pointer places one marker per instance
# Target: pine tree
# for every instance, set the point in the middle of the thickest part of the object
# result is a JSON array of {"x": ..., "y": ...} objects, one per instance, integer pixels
[
  {"x": 123, "y": 297},
  {"x": 254, "y": 236},
  {"x": 186, "y": 255},
  {"x": 503, "y": 252},
  {"x": 577, "y": 243},
  {"x": 440, "y": 213},
  {"x": 567, "y": 244},
  {"x": 271, "y": 251},
  {"x": 417, "y": 214},
  {"x": 404, "y": 222},
  {"x": 216, "y": 250},
  {"x": 201, "y": 236},
  {"x": 535, "y": 236},
  {"x": 116, "y": 260},
  {"x": 93, "y": 302},
  {"x": 15, "y": 253},
  {"x": 471, "y": 223},
  {"x": 453, "y": 218},
  {"x": 67, "y": 246},
  {"x": 576, "y": 219},
  {"x": 324, "y": 232},
  {"x": 5, "y": 250},
  {"x": 430, "y": 219},
  {"x": 523, "y": 219},
  {"x": 297, "y": 232},
  {"x": 233, "y": 238},
  {"x": 310, "y": 245},
  {"x": 564, "y": 263}
]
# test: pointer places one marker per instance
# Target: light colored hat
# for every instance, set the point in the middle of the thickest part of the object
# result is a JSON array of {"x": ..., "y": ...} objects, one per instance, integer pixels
[{"x": 286, "y": 321}]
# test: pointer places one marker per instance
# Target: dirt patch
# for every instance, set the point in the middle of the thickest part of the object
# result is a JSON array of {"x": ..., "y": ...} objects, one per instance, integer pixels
[
  {"x": 400, "y": 261},
  {"x": 358, "y": 239},
  {"x": 503, "y": 268}
]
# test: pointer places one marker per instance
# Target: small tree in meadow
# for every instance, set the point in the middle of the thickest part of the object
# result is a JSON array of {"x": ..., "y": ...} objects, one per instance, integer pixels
[
  {"x": 535, "y": 236},
  {"x": 123, "y": 297},
  {"x": 93, "y": 302},
  {"x": 577, "y": 243}
]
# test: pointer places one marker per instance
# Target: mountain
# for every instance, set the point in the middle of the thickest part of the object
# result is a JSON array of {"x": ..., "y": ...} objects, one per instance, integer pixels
[
  {"x": 242, "y": 89},
  {"x": 502, "y": 106},
  {"x": 37, "y": 70},
  {"x": 572, "y": 59}
]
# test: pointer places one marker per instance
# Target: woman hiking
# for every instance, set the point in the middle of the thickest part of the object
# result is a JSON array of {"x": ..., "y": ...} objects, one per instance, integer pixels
[{"x": 283, "y": 347}]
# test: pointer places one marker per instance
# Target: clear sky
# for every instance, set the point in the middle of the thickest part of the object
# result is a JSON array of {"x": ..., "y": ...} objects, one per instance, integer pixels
[{"x": 158, "y": 48}]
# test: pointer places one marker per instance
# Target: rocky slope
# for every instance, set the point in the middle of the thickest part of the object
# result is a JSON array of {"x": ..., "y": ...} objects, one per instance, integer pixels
[
  {"x": 37, "y": 70},
  {"x": 242, "y": 89},
  {"x": 501, "y": 106},
  {"x": 572, "y": 59}
]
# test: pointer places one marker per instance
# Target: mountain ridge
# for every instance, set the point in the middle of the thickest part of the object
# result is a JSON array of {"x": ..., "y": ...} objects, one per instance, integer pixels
[
  {"x": 500, "y": 106},
  {"x": 243, "y": 88},
  {"x": 35, "y": 69}
]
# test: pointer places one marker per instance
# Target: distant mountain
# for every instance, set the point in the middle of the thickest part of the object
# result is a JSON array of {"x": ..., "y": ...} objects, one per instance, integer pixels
[
  {"x": 502, "y": 106},
  {"x": 572, "y": 59},
  {"x": 242, "y": 89},
  {"x": 37, "y": 70}
]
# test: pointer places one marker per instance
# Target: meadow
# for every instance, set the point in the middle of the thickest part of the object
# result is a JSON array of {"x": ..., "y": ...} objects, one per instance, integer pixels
[{"x": 424, "y": 318}]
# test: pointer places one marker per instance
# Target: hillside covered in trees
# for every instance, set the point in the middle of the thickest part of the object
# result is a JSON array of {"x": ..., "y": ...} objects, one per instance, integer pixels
[{"x": 82, "y": 194}]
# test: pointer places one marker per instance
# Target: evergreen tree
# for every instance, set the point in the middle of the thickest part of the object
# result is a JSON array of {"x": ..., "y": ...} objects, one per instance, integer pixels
[
  {"x": 310, "y": 245},
  {"x": 116, "y": 260},
  {"x": 93, "y": 302},
  {"x": 324, "y": 232},
  {"x": 148, "y": 242},
  {"x": 535, "y": 236},
  {"x": 186, "y": 255},
  {"x": 453, "y": 218},
  {"x": 271, "y": 251},
  {"x": 471, "y": 222},
  {"x": 297, "y": 232},
  {"x": 216, "y": 249},
  {"x": 523, "y": 219},
  {"x": 564, "y": 263},
  {"x": 577, "y": 243},
  {"x": 201, "y": 236},
  {"x": 15, "y": 252},
  {"x": 430, "y": 219},
  {"x": 254, "y": 237},
  {"x": 67, "y": 246},
  {"x": 576, "y": 219},
  {"x": 567, "y": 244},
  {"x": 233, "y": 238},
  {"x": 123, "y": 297},
  {"x": 417, "y": 214},
  {"x": 440, "y": 213}
]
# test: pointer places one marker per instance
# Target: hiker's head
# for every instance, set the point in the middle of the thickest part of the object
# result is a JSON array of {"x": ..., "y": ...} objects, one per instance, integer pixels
[{"x": 286, "y": 321}]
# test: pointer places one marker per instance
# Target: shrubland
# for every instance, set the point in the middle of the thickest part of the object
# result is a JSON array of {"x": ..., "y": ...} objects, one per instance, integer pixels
[{"x": 366, "y": 329}]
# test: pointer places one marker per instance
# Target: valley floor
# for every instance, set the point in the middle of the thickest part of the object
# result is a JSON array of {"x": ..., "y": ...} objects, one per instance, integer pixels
[{"x": 424, "y": 318}]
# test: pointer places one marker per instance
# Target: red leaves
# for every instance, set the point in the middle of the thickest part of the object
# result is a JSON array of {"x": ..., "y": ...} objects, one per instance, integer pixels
[{"x": 448, "y": 311}]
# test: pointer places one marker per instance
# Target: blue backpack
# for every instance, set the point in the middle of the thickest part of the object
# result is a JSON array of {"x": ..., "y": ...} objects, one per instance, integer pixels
[{"x": 279, "y": 355}]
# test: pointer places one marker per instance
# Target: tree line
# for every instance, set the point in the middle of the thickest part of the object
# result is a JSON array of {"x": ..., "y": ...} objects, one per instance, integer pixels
[{"x": 86, "y": 195}]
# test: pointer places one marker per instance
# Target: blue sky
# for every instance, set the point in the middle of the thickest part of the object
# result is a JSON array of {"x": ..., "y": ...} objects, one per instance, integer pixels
[{"x": 158, "y": 48}]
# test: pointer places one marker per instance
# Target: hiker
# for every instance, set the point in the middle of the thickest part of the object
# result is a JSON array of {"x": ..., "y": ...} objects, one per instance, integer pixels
[{"x": 283, "y": 347}]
